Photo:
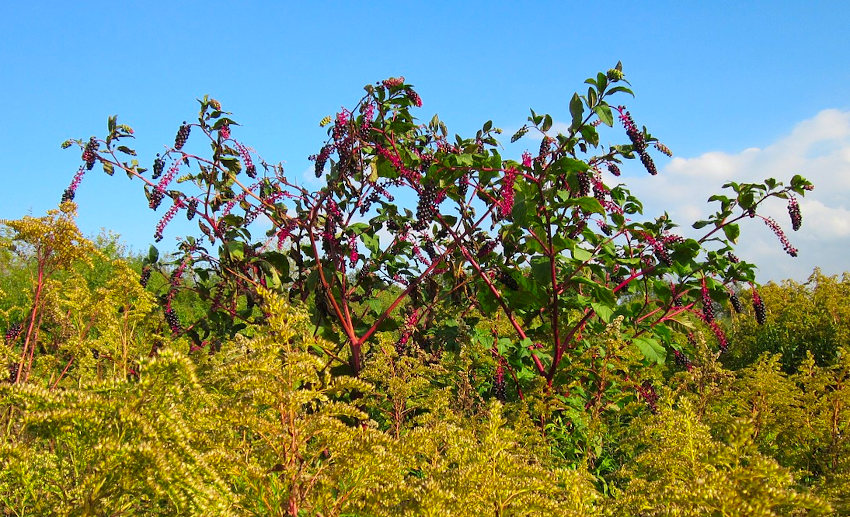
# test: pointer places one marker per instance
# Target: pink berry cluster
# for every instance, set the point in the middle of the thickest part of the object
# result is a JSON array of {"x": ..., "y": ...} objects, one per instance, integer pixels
[
  {"x": 505, "y": 204},
  {"x": 71, "y": 191},
  {"x": 413, "y": 97},
  {"x": 393, "y": 82},
  {"x": 783, "y": 239},
  {"x": 250, "y": 168},
  {"x": 707, "y": 305},
  {"x": 169, "y": 215}
]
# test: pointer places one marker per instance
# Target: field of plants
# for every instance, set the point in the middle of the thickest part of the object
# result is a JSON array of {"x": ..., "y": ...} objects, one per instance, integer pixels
[{"x": 436, "y": 330}]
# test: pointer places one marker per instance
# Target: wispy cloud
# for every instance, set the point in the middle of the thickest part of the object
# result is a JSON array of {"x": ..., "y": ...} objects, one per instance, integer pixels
[{"x": 818, "y": 148}]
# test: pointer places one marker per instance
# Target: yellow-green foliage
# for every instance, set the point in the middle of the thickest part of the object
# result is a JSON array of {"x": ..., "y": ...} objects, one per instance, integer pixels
[
  {"x": 265, "y": 427},
  {"x": 116, "y": 447},
  {"x": 812, "y": 316},
  {"x": 801, "y": 420},
  {"x": 681, "y": 469},
  {"x": 83, "y": 326}
]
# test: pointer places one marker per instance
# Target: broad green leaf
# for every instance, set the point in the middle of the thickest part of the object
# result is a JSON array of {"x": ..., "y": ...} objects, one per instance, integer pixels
[
  {"x": 651, "y": 349},
  {"x": 605, "y": 114},
  {"x": 603, "y": 311},
  {"x": 732, "y": 232}
]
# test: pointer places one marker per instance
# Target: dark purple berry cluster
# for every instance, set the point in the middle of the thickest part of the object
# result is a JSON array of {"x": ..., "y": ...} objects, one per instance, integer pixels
[
  {"x": 182, "y": 136},
  {"x": 172, "y": 319},
  {"x": 158, "y": 166},
  {"x": 191, "y": 209},
  {"x": 583, "y": 184},
  {"x": 508, "y": 280},
  {"x": 155, "y": 198},
  {"x": 322, "y": 159},
  {"x": 90, "y": 152},
  {"x": 682, "y": 360},
  {"x": 647, "y": 162},
  {"x": 736, "y": 302},
  {"x": 67, "y": 195},
  {"x": 638, "y": 141},
  {"x": 13, "y": 372},
  {"x": 794, "y": 213},
  {"x": 613, "y": 169},
  {"x": 463, "y": 185},
  {"x": 146, "y": 276},
  {"x": 13, "y": 332},
  {"x": 426, "y": 209},
  {"x": 758, "y": 307}
]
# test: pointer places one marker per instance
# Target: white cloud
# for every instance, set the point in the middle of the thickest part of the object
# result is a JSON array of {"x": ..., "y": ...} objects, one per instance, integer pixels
[{"x": 817, "y": 148}]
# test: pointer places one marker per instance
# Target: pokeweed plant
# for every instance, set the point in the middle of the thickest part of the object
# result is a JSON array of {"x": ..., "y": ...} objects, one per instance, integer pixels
[{"x": 411, "y": 221}]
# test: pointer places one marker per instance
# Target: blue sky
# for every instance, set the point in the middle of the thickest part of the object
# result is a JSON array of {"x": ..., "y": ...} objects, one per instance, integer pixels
[{"x": 736, "y": 89}]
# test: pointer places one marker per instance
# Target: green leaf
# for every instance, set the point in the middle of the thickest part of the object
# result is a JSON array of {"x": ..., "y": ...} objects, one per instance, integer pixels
[
  {"x": 547, "y": 123},
  {"x": 603, "y": 311},
  {"x": 540, "y": 270},
  {"x": 107, "y": 168},
  {"x": 651, "y": 349},
  {"x": 576, "y": 110},
  {"x": 153, "y": 255},
  {"x": 581, "y": 254},
  {"x": 236, "y": 249},
  {"x": 605, "y": 114},
  {"x": 590, "y": 205},
  {"x": 732, "y": 232},
  {"x": 372, "y": 243}
]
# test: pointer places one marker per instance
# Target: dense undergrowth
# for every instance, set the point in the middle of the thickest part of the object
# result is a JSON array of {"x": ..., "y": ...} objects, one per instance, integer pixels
[{"x": 118, "y": 417}]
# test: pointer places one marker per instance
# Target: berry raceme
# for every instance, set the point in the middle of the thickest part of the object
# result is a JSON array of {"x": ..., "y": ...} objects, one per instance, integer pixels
[
  {"x": 90, "y": 153},
  {"x": 172, "y": 319},
  {"x": 191, "y": 209},
  {"x": 794, "y": 213},
  {"x": 426, "y": 209},
  {"x": 649, "y": 395},
  {"x": 13, "y": 332},
  {"x": 145, "y": 277},
  {"x": 683, "y": 360},
  {"x": 758, "y": 307},
  {"x": 508, "y": 280},
  {"x": 783, "y": 239},
  {"x": 155, "y": 198},
  {"x": 158, "y": 166},
  {"x": 736, "y": 302},
  {"x": 182, "y": 136},
  {"x": 707, "y": 308},
  {"x": 499, "y": 390}
]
